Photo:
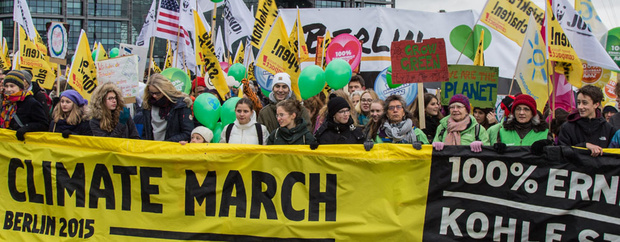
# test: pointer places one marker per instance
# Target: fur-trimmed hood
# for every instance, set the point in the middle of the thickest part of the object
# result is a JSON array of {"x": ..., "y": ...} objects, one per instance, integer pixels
[{"x": 97, "y": 100}]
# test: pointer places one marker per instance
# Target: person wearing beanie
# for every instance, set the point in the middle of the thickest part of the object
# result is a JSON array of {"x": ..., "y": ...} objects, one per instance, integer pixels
[
  {"x": 459, "y": 127},
  {"x": 608, "y": 112},
  {"x": 339, "y": 127},
  {"x": 201, "y": 134},
  {"x": 37, "y": 92},
  {"x": 396, "y": 125},
  {"x": 198, "y": 86},
  {"x": 281, "y": 90},
  {"x": 524, "y": 126},
  {"x": 69, "y": 116},
  {"x": 586, "y": 127},
  {"x": 20, "y": 111}
]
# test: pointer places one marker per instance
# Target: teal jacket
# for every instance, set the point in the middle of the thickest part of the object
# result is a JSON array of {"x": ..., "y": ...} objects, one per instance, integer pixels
[{"x": 467, "y": 136}]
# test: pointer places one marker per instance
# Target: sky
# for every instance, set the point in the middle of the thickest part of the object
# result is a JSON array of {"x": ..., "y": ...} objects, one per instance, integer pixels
[{"x": 608, "y": 10}]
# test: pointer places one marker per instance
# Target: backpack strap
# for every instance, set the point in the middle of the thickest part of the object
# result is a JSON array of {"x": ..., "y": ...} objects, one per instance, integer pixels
[
  {"x": 477, "y": 130},
  {"x": 441, "y": 133},
  {"x": 228, "y": 131},
  {"x": 259, "y": 133}
]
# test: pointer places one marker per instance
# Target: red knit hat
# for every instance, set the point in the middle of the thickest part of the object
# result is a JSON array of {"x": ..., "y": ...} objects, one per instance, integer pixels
[
  {"x": 525, "y": 100},
  {"x": 199, "y": 81}
]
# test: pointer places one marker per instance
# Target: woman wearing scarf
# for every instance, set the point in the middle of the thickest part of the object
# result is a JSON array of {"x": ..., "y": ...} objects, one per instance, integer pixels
[
  {"x": 20, "y": 111},
  {"x": 396, "y": 125},
  {"x": 460, "y": 128},
  {"x": 166, "y": 111},
  {"x": 69, "y": 116},
  {"x": 523, "y": 126},
  {"x": 339, "y": 127}
]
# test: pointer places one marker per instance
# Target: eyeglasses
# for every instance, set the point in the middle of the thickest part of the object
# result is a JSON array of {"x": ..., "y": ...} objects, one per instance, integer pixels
[
  {"x": 456, "y": 107},
  {"x": 364, "y": 100},
  {"x": 398, "y": 107},
  {"x": 344, "y": 111},
  {"x": 154, "y": 93}
]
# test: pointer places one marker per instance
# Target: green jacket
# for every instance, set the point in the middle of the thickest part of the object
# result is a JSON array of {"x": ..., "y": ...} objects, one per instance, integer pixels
[
  {"x": 493, "y": 132},
  {"x": 467, "y": 136},
  {"x": 299, "y": 135},
  {"x": 511, "y": 138}
]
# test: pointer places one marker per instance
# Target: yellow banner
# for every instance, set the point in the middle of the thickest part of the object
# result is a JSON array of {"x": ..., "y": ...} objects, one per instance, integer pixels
[
  {"x": 37, "y": 62},
  {"x": 240, "y": 53},
  {"x": 276, "y": 55},
  {"x": 479, "y": 57},
  {"x": 266, "y": 14},
  {"x": 5, "y": 60},
  {"x": 109, "y": 189},
  {"x": 206, "y": 57},
  {"x": 297, "y": 41},
  {"x": 101, "y": 53},
  {"x": 169, "y": 55},
  {"x": 562, "y": 52},
  {"x": 83, "y": 73},
  {"x": 511, "y": 17}
]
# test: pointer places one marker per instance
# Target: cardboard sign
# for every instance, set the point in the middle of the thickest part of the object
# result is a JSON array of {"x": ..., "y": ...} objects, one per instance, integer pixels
[
  {"x": 122, "y": 71},
  {"x": 419, "y": 62},
  {"x": 478, "y": 83},
  {"x": 140, "y": 51}
]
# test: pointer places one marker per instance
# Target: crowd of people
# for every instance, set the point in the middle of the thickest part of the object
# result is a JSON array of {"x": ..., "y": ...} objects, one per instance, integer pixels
[{"x": 354, "y": 115}]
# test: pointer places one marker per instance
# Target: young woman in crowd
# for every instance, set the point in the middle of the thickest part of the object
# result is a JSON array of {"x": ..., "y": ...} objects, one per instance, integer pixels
[
  {"x": 200, "y": 134},
  {"x": 293, "y": 129},
  {"x": 586, "y": 126},
  {"x": 338, "y": 127},
  {"x": 355, "y": 97},
  {"x": 166, "y": 111},
  {"x": 432, "y": 113},
  {"x": 523, "y": 126},
  {"x": 69, "y": 116},
  {"x": 372, "y": 128},
  {"x": 396, "y": 124},
  {"x": 485, "y": 117},
  {"x": 460, "y": 128},
  {"x": 20, "y": 111},
  {"x": 323, "y": 112},
  {"x": 363, "y": 109},
  {"x": 245, "y": 129},
  {"x": 109, "y": 117}
]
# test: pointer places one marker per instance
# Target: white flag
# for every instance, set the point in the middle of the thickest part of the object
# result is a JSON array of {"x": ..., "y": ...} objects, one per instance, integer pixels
[
  {"x": 149, "y": 26},
  {"x": 586, "y": 45},
  {"x": 21, "y": 15},
  {"x": 588, "y": 13},
  {"x": 238, "y": 21},
  {"x": 186, "y": 15},
  {"x": 220, "y": 49}
]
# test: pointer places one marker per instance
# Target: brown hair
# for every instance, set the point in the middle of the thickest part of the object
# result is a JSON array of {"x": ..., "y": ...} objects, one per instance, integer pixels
[
  {"x": 593, "y": 92},
  {"x": 413, "y": 108},
  {"x": 291, "y": 106},
  {"x": 108, "y": 119},
  {"x": 245, "y": 101}
]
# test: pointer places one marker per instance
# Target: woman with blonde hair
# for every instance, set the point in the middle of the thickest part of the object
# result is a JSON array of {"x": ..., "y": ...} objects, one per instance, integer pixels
[
  {"x": 109, "y": 117},
  {"x": 363, "y": 107},
  {"x": 69, "y": 116},
  {"x": 166, "y": 111}
]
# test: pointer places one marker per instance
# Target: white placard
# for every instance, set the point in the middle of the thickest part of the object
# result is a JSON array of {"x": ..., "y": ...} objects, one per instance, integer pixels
[
  {"x": 122, "y": 71},
  {"x": 140, "y": 51},
  {"x": 57, "y": 40}
]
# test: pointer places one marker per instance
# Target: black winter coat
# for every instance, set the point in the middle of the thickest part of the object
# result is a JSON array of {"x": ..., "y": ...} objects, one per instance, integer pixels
[
  {"x": 578, "y": 131},
  {"x": 331, "y": 132},
  {"x": 82, "y": 128},
  {"x": 179, "y": 126},
  {"x": 31, "y": 114}
]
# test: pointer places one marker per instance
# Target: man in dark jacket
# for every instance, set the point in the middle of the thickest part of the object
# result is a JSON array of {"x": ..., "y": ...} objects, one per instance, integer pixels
[{"x": 586, "y": 126}]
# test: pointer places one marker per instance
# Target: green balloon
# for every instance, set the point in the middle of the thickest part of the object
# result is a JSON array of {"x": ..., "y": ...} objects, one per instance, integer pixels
[
  {"x": 114, "y": 52},
  {"x": 207, "y": 110},
  {"x": 227, "y": 113},
  {"x": 388, "y": 77},
  {"x": 217, "y": 1},
  {"x": 179, "y": 79},
  {"x": 265, "y": 92},
  {"x": 311, "y": 81},
  {"x": 338, "y": 73},
  {"x": 237, "y": 71},
  {"x": 217, "y": 132}
]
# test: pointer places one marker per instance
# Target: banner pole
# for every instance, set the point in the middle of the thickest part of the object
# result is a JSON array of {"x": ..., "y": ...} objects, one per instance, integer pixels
[
  {"x": 14, "y": 38},
  {"x": 148, "y": 75},
  {"x": 421, "y": 111}
]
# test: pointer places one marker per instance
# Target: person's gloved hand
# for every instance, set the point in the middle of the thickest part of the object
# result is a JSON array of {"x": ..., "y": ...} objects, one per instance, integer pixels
[
  {"x": 500, "y": 148},
  {"x": 314, "y": 145},
  {"x": 438, "y": 146},
  {"x": 417, "y": 145},
  {"x": 368, "y": 144},
  {"x": 538, "y": 146},
  {"x": 124, "y": 116},
  {"x": 476, "y": 146},
  {"x": 66, "y": 133},
  {"x": 20, "y": 133}
]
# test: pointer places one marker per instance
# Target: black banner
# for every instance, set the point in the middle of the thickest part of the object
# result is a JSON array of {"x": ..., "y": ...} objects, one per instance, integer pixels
[{"x": 563, "y": 195}]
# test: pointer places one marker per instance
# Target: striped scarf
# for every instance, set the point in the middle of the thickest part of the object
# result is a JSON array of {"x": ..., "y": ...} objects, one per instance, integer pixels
[{"x": 9, "y": 107}]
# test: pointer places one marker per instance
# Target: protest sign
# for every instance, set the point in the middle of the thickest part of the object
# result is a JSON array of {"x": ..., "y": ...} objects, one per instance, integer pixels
[
  {"x": 140, "y": 51},
  {"x": 419, "y": 62},
  {"x": 478, "y": 83},
  {"x": 346, "y": 47},
  {"x": 122, "y": 71},
  {"x": 57, "y": 40}
]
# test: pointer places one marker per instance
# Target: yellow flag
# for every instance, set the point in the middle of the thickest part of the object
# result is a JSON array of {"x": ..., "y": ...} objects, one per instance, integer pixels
[
  {"x": 155, "y": 67},
  {"x": 479, "y": 58},
  {"x": 83, "y": 73},
  {"x": 36, "y": 62},
  {"x": 101, "y": 53},
  {"x": 561, "y": 51},
  {"x": 169, "y": 55},
  {"x": 297, "y": 40},
  {"x": 211, "y": 65},
  {"x": 266, "y": 14},
  {"x": 276, "y": 55},
  {"x": 326, "y": 41},
  {"x": 41, "y": 46},
  {"x": 510, "y": 17},
  {"x": 240, "y": 53},
  {"x": 5, "y": 61}
]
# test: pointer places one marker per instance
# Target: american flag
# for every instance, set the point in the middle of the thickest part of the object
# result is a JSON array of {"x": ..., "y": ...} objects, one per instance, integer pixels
[{"x": 168, "y": 22}]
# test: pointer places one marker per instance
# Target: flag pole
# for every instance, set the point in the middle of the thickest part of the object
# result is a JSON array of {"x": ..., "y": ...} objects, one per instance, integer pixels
[
  {"x": 214, "y": 15},
  {"x": 14, "y": 38},
  {"x": 467, "y": 41},
  {"x": 148, "y": 75},
  {"x": 177, "y": 54}
]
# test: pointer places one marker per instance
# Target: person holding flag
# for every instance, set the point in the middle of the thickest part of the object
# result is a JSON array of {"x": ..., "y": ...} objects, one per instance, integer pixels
[{"x": 20, "y": 111}]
